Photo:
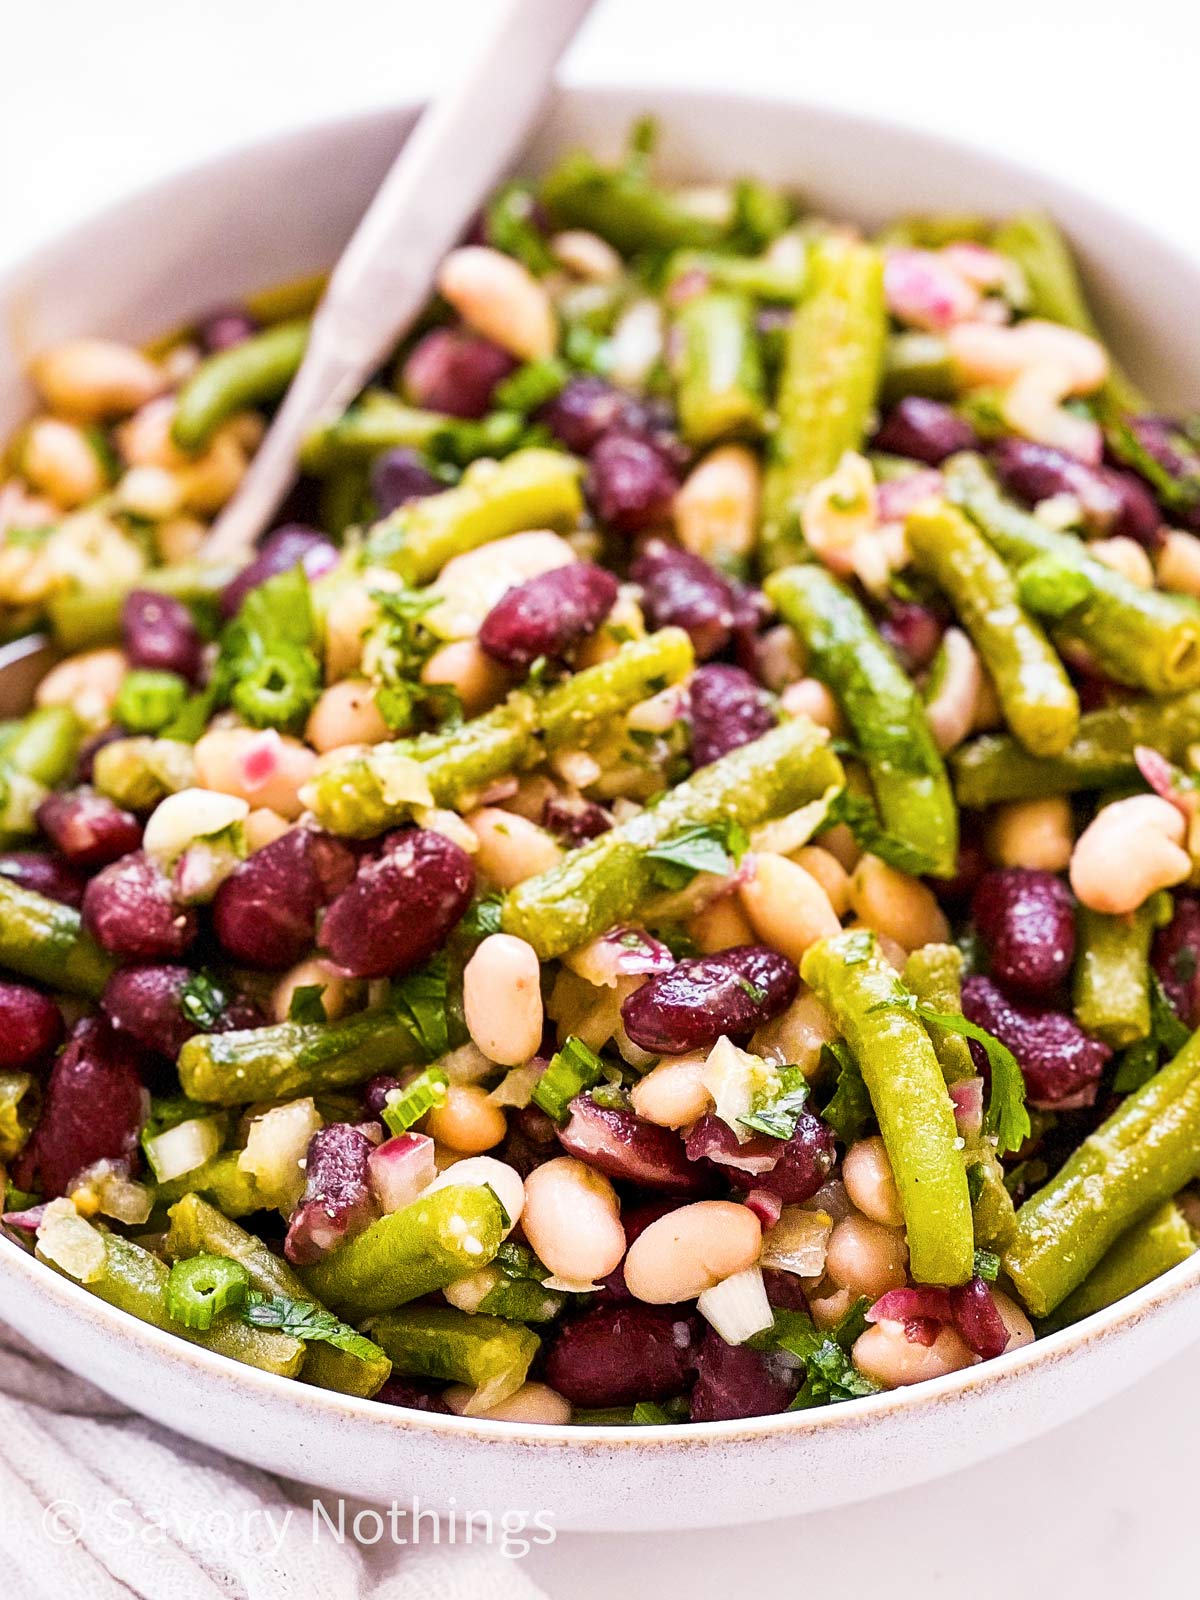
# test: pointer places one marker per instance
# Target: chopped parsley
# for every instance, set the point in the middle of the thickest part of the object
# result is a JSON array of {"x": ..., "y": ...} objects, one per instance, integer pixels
[
  {"x": 778, "y": 1117},
  {"x": 715, "y": 847},
  {"x": 306, "y": 1004},
  {"x": 421, "y": 999},
  {"x": 306, "y": 1321},
  {"x": 203, "y": 1002},
  {"x": 848, "y": 1111},
  {"x": 830, "y": 1375},
  {"x": 858, "y": 812}
]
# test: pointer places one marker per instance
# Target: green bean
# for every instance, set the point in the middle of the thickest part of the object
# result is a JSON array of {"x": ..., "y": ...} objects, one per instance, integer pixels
[
  {"x": 376, "y": 422},
  {"x": 139, "y": 772},
  {"x": 200, "y": 1229},
  {"x": 934, "y": 974},
  {"x": 1100, "y": 756},
  {"x": 360, "y": 796},
  {"x": 38, "y": 754},
  {"x": 532, "y": 488},
  {"x": 720, "y": 377},
  {"x": 219, "y": 1180},
  {"x": 85, "y": 618},
  {"x": 1112, "y": 970},
  {"x": 1147, "y": 1250},
  {"x": 908, "y": 1093},
  {"x": 135, "y": 1281},
  {"x": 882, "y": 706},
  {"x": 443, "y": 1235},
  {"x": 760, "y": 277},
  {"x": 831, "y": 374},
  {"x": 1142, "y": 637},
  {"x": 437, "y": 1342},
  {"x": 609, "y": 879},
  {"x": 45, "y": 940},
  {"x": 933, "y": 230},
  {"x": 918, "y": 363},
  {"x": 1040, "y": 705},
  {"x": 19, "y": 1101},
  {"x": 1147, "y": 1150},
  {"x": 254, "y": 373},
  {"x": 624, "y": 207}
]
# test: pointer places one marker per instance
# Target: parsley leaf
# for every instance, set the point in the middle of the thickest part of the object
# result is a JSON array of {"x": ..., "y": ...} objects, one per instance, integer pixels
[
  {"x": 306, "y": 1004},
  {"x": 779, "y": 1116},
  {"x": 421, "y": 999},
  {"x": 396, "y": 648},
  {"x": 848, "y": 1111},
  {"x": 858, "y": 812},
  {"x": 714, "y": 847},
  {"x": 482, "y": 918},
  {"x": 306, "y": 1321},
  {"x": 830, "y": 1375},
  {"x": 203, "y": 1002}
]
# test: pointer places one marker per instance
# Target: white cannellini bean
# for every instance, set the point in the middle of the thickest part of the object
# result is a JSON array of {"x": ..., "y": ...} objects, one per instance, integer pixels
[
  {"x": 786, "y": 905},
  {"x": 951, "y": 712},
  {"x": 886, "y": 1354},
  {"x": 895, "y": 905},
  {"x": 672, "y": 1094},
  {"x": 808, "y": 697},
  {"x": 502, "y": 999},
  {"x": 59, "y": 459},
  {"x": 1178, "y": 563},
  {"x": 867, "y": 1174},
  {"x": 1127, "y": 557},
  {"x": 478, "y": 681},
  {"x": 511, "y": 848},
  {"x": 573, "y": 1220},
  {"x": 346, "y": 713},
  {"x": 866, "y": 1257},
  {"x": 91, "y": 379},
  {"x": 587, "y": 255},
  {"x": 716, "y": 510},
  {"x": 500, "y": 298},
  {"x": 1032, "y": 833},
  {"x": 1129, "y": 851},
  {"x": 466, "y": 1121},
  {"x": 987, "y": 354},
  {"x": 264, "y": 767},
  {"x": 533, "y": 1402},
  {"x": 797, "y": 1035},
  {"x": 690, "y": 1250},
  {"x": 88, "y": 683}
]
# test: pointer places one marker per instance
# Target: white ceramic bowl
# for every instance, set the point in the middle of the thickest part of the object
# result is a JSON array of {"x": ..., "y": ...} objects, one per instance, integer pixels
[{"x": 277, "y": 211}]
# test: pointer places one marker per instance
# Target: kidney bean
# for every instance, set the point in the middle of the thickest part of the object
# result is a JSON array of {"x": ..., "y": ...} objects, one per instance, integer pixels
[
  {"x": 616, "y": 1355},
  {"x": 31, "y": 1025},
  {"x": 546, "y": 615},
  {"x": 398, "y": 476},
  {"x": 337, "y": 1201},
  {"x": 1026, "y": 919},
  {"x": 784, "y": 1290},
  {"x": 924, "y": 430},
  {"x": 147, "y": 1003},
  {"x": 630, "y": 483},
  {"x": 1061, "y": 1064},
  {"x": 735, "y": 1381},
  {"x": 792, "y": 1170},
  {"x": 728, "y": 710},
  {"x": 977, "y": 1319},
  {"x": 702, "y": 997},
  {"x": 1175, "y": 957},
  {"x": 585, "y": 409},
  {"x": 1113, "y": 501},
  {"x": 971, "y": 865},
  {"x": 456, "y": 372},
  {"x": 531, "y": 1139},
  {"x": 223, "y": 329},
  {"x": 681, "y": 590},
  {"x": 913, "y": 631},
  {"x": 1162, "y": 441},
  {"x": 160, "y": 633},
  {"x": 622, "y": 1145},
  {"x": 265, "y": 912},
  {"x": 44, "y": 874},
  {"x": 401, "y": 906},
  {"x": 412, "y": 1394},
  {"x": 93, "y": 1111},
  {"x": 130, "y": 908},
  {"x": 574, "y": 820},
  {"x": 286, "y": 547},
  {"x": 88, "y": 828}
]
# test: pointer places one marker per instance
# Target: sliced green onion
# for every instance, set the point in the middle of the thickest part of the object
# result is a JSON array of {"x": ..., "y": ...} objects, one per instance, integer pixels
[
  {"x": 406, "y": 1106},
  {"x": 572, "y": 1069},
  {"x": 147, "y": 701},
  {"x": 200, "y": 1289},
  {"x": 279, "y": 689}
]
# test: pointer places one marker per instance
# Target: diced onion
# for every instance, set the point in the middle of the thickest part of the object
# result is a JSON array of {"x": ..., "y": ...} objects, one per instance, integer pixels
[
  {"x": 401, "y": 1169},
  {"x": 276, "y": 1146},
  {"x": 738, "y": 1307},
  {"x": 70, "y": 1242},
  {"x": 515, "y": 1089},
  {"x": 798, "y": 1242},
  {"x": 183, "y": 1148},
  {"x": 737, "y": 1081}
]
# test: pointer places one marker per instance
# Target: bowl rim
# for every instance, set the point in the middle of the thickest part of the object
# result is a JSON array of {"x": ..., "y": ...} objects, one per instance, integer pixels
[{"x": 672, "y": 103}]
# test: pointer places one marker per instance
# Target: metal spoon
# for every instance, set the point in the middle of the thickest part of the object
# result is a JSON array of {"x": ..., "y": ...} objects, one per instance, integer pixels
[{"x": 459, "y": 148}]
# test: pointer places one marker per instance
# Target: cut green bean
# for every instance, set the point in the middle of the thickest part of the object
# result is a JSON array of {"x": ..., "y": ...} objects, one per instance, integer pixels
[
  {"x": 198, "y": 1228},
  {"x": 831, "y": 373},
  {"x": 760, "y": 277},
  {"x": 934, "y": 974},
  {"x": 85, "y": 618},
  {"x": 1112, "y": 970},
  {"x": 455, "y": 1347},
  {"x": 44, "y": 746},
  {"x": 45, "y": 940},
  {"x": 445, "y": 1234},
  {"x": 219, "y": 1180},
  {"x": 1147, "y": 1250},
  {"x": 908, "y": 1093},
  {"x": 1039, "y": 703},
  {"x": 532, "y": 488},
  {"x": 622, "y": 205},
  {"x": 918, "y": 363},
  {"x": 1142, "y": 637},
  {"x": 719, "y": 371},
  {"x": 253, "y": 373},
  {"x": 995, "y": 767},
  {"x": 1144, "y": 1153},
  {"x": 376, "y": 422},
  {"x": 611, "y": 878},
  {"x": 882, "y": 706},
  {"x": 362, "y": 796}
]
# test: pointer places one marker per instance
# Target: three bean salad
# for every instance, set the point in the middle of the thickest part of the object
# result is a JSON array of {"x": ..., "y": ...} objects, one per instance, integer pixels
[{"x": 667, "y": 888}]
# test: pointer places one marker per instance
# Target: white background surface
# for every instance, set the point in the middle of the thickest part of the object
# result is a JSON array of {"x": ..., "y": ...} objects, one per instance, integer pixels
[{"x": 97, "y": 98}]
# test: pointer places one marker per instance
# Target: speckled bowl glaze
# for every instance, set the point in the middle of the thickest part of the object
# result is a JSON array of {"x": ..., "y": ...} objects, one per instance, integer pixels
[{"x": 277, "y": 211}]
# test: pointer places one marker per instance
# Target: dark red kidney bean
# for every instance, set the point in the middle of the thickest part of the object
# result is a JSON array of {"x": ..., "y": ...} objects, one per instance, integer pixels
[
  {"x": 1061, "y": 1064},
  {"x": 548, "y": 614},
  {"x": 1162, "y": 440},
  {"x": 1026, "y": 920},
  {"x": 412, "y": 1395},
  {"x": 791, "y": 1169},
  {"x": 88, "y": 828},
  {"x": 1113, "y": 501},
  {"x": 735, "y": 1381},
  {"x": 454, "y": 371},
  {"x": 532, "y": 1138},
  {"x": 93, "y": 1111},
  {"x": 680, "y": 590},
  {"x": 913, "y": 631},
  {"x": 616, "y": 1355},
  {"x": 398, "y": 476},
  {"x": 784, "y": 1290},
  {"x": 223, "y": 329},
  {"x": 575, "y": 820},
  {"x": 287, "y": 547},
  {"x": 402, "y": 905},
  {"x": 337, "y": 1201},
  {"x": 265, "y": 912},
  {"x": 630, "y": 483},
  {"x": 146, "y": 1002},
  {"x": 31, "y": 1025},
  {"x": 160, "y": 634},
  {"x": 924, "y": 430},
  {"x": 375, "y": 1093},
  {"x": 44, "y": 874},
  {"x": 977, "y": 1319},
  {"x": 1175, "y": 957},
  {"x": 623, "y": 1145},
  {"x": 728, "y": 710},
  {"x": 130, "y": 909},
  {"x": 702, "y": 997},
  {"x": 585, "y": 409}
]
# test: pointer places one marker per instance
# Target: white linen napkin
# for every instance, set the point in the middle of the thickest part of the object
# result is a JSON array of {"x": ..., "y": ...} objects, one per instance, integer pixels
[{"x": 98, "y": 1502}]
